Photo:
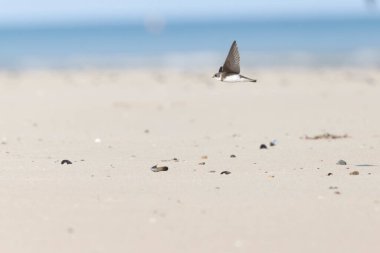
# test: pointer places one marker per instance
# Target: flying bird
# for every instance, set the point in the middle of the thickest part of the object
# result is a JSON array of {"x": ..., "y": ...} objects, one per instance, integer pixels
[{"x": 230, "y": 71}]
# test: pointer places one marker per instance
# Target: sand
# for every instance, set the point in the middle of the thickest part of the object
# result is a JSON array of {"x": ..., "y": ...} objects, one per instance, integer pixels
[{"x": 115, "y": 124}]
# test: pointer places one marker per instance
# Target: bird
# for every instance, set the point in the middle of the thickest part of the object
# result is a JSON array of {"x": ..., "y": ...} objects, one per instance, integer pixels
[{"x": 230, "y": 71}]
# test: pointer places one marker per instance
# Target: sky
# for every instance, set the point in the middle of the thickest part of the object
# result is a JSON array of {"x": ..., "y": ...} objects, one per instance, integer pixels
[{"x": 26, "y": 11}]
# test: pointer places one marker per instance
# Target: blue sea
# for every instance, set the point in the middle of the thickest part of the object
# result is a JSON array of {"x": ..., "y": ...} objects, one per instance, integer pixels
[{"x": 337, "y": 41}]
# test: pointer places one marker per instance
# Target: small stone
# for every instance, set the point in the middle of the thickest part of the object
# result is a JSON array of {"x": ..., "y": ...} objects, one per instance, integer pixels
[
  {"x": 3, "y": 141},
  {"x": 66, "y": 162},
  {"x": 329, "y": 174},
  {"x": 156, "y": 168},
  {"x": 273, "y": 143},
  {"x": 333, "y": 187},
  {"x": 354, "y": 173},
  {"x": 212, "y": 171},
  {"x": 337, "y": 192},
  {"x": 341, "y": 162},
  {"x": 146, "y": 131},
  {"x": 202, "y": 163},
  {"x": 263, "y": 146},
  {"x": 204, "y": 157},
  {"x": 225, "y": 172},
  {"x": 233, "y": 156}
]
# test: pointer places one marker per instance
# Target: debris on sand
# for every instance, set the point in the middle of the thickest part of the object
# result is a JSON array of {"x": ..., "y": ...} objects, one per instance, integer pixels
[
  {"x": 169, "y": 160},
  {"x": 326, "y": 136},
  {"x": 233, "y": 156},
  {"x": 157, "y": 168},
  {"x": 273, "y": 143},
  {"x": 226, "y": 172},
  {"x": 263, "y": 146},
  {"x": 329, "y": 174},
  {"x": 66, "y": 162},
  {"x": 204, "y": 157},
  {"x": 354, "y": 173},
  {"x": 341, "y": 162},
  {"x": 202, "y": 163}
]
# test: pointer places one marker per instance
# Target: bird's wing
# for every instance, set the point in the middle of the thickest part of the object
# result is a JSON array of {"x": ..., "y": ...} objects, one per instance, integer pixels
[{"x": 232, "y": 63}]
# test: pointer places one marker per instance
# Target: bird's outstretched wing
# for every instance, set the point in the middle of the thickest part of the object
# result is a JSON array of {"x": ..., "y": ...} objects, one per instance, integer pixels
[{"x": 232, "y": 63}]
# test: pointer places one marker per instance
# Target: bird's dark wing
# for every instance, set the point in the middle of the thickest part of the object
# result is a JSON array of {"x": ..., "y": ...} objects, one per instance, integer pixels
[{"x": 232, "y": 63}]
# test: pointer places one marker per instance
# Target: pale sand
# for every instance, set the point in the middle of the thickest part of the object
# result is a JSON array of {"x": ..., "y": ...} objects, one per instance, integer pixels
[{"x": 275, "y": 200}]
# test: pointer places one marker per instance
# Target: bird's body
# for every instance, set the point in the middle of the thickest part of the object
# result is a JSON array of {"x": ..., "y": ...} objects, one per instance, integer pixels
[
  {"x": 230, "y": 71},
  {"x": 233, "y": 78}
]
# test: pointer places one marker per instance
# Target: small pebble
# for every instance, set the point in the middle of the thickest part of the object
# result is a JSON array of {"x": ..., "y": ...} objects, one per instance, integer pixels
[
  {"x": 204, "y": 157},
  {"x": 354, "y": 173},
  {"x": 333, "y": 187},
  {"x": 329, "y": 174},
  {"x": 146, "y": 131},
  {"x": 156, "y": 168},
  {"x": 212, "y": 171},
  {"x": 225, "y": 172},
  {"x": 233, "y": 156},
  {"x": 337, "y": 192},
  {"x": 66, "y": 162},
  {"x": 202, "y": 163},
  {"x": 273, "y": 143},
  {"x": 341, "y": 162},
  {"x": 263, "y": 146}
]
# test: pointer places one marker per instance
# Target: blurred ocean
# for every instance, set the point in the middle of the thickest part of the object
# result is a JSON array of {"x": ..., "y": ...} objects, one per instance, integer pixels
[{"x": 319, "y": 41}]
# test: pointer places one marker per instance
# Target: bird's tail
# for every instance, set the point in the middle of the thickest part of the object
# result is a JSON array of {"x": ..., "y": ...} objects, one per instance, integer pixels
[{"x": 250, "y": 79}]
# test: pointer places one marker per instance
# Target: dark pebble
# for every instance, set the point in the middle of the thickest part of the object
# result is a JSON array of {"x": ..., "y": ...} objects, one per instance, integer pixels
[
  {"x": 263, "y": 146},
  {"x": 329, "y": 174},
  {"x": 337, "y": 192},
  {"x": 341, "y": 162},
  {"x": 202, "y": 163},
  {"x": 233, "y": 156},
  {"x": 272, "y": 143},
  {"x": 66, "y": 162},
  {"x": 354, "y": 173},
  {"x": 225, "y": 172},
  {"x": 156, "y": 168}
]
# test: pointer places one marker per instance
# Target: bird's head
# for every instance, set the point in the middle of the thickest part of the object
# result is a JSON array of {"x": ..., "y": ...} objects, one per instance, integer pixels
[{"x": 216, "y": 76}]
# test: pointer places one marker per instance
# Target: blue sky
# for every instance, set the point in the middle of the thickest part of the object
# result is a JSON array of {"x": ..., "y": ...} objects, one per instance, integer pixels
[{"x": 25, "y": 11}]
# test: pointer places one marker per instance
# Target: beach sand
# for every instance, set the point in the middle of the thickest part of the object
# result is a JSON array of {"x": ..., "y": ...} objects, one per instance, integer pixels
[{"x": 115, "y": 124}]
